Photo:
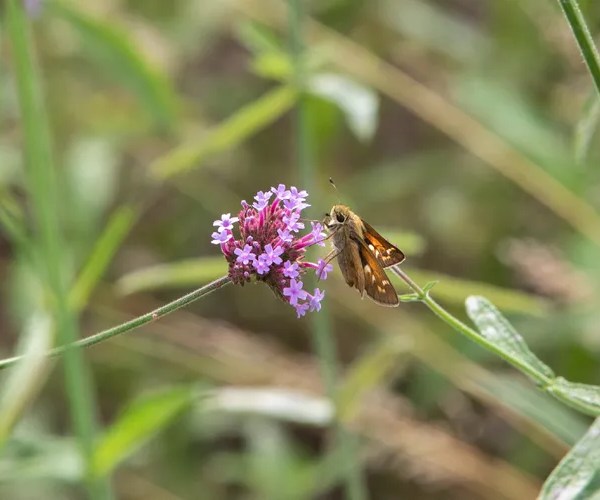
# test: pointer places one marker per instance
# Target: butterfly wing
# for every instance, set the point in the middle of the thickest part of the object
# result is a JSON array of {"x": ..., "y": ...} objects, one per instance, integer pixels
[
  {"x": 376, "y": 283},
  {"x": 386, "y": 253}
]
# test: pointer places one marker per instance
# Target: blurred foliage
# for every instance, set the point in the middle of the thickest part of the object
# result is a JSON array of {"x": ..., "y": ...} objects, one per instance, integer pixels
[{"x": 466, "y": 130}]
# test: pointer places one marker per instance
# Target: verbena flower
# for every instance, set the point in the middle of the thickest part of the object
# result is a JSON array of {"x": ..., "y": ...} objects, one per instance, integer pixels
[{"x": 265, "y": 246}]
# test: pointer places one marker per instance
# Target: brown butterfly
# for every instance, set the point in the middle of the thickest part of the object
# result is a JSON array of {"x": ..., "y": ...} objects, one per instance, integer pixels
[{"x": 362, "y": 254}]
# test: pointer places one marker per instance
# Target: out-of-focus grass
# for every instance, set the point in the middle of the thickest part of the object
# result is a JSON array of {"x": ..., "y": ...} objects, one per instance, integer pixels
[{"x": 50, "y": 255}]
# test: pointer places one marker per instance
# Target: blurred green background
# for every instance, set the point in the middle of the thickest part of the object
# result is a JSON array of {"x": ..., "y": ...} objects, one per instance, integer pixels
[{"x": 464, "y": 130}]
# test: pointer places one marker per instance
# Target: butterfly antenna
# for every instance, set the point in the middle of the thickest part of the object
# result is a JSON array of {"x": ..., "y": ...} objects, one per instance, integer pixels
[{"x": 336, "y": 189}]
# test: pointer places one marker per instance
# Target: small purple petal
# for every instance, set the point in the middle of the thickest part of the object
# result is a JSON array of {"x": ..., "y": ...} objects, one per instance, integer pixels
[
  {"x": 291, "y": 270},
  {"x": 273, "y": 254},
  {"x": 318, "y": 234},
  {"x": 218, "y": 238},
  {"x": 292, "y": 222},
  {"x": 284, "y": 235},
  {"x": 301, "y": 309},
  {"x": 323, "y": 268},
  {"x": 262, "y": 200},
  {"x": 298, "y": 194},
  {"x": 281, "y": 192},
  {"x": 261, "y": 265},
  {"x": 314, "y": 300},
  {"x": 294, "y": 292},
  {"x": 245, "y": 255},
  {"x": 225, "y": 222}
]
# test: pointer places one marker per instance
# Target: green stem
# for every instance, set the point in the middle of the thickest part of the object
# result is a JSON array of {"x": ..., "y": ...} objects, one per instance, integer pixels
[
  {"x": 468, "y": 332},
  {"x": 322, "y": 335},
  {"x": 583, "y": 37},
  {"x": 541, "y": 380},
  {"x": 132, "y": 324}
]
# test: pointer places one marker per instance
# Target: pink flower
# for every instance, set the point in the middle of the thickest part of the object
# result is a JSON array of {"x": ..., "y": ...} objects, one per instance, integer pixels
[
  {"x": 261, "y": 244},
  {"x": 323, "y": 269},
  {"x": 294, "y": 292},
  {"x": 314, "y": 300},
  {"x": 225, "y": 223}
]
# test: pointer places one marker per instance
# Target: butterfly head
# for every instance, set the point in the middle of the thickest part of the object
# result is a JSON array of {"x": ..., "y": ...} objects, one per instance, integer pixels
[{"x": 338, "y": 216}]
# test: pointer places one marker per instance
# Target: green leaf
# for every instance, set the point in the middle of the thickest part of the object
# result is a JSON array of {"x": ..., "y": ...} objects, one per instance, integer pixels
[
  {"x": 584, "y": 394},
  {"x": 114, "y": 48},
  {"x": 496, "y": 328},
  {"x": 577, "y": 476},
  {"x": 428, "y": 286},
  {"x": 117, "y": 228},
  {"x": 245, "y": 122},
  {"x": 359, "y": 104},
  {"x": 138, "y": 423},
  {"x": 409, "y": 297}
]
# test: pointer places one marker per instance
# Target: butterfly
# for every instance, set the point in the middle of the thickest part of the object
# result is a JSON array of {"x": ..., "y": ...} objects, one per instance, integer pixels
[{"x": 362, "y": 254}]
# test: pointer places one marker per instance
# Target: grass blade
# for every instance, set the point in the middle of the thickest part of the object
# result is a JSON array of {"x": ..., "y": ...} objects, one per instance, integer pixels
[
  {"x": 115, "y": 49},
  {"x": 138, "y": 423},
  {"x": 107, "y": 245},
  {"x": 245, "y": 122}
]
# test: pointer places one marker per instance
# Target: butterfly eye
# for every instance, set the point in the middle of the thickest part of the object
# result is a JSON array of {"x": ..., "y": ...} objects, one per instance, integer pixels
[{"x": 340, "y": 217}]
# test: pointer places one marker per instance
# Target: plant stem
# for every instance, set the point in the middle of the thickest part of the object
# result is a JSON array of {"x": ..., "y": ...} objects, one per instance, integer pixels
[
  {"x": 583, "y": 37},
  {"x": 543, "y": 381},
  {"x": 460, "y": 327},
  {"x": 131, "y": 324},
  {"x": 322, "y": 335}
]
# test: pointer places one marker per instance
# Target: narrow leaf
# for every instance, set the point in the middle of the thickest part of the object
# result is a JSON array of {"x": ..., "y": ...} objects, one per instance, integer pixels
[
  {"x": 144, "y": 418},
  {"x": 244, "y": 123},
  {"x": 107, "y": 245},
  {"x": 409, "y": 297},
  {"x": 585, "y": 129},
  {"x": 114, "y": 48},
  {"x": 577, "y": 476},
  {"x": 428, "y": 286},
  {"x": 496, "y": 328},
  {"x": 583, "y": 394}
]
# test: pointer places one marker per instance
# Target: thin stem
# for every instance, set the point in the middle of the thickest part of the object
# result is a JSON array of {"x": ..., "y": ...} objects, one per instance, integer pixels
[
  {"x": 583, "y": 37},
  {"x": 131, "y": 324},
  {"x": 541, "y": 380},
  {"x": 323, "y": 339},
  {"x": 460, "y": 327}
]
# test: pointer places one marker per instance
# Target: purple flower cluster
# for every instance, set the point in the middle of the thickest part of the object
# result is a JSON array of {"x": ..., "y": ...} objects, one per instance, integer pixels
[{"x": 268, "y": 247}]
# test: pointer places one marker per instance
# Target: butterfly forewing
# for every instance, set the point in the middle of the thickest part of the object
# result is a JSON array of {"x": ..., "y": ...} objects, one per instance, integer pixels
[
  {"x": 377, "y": 285},
  {"x": 386, "y": 253}
]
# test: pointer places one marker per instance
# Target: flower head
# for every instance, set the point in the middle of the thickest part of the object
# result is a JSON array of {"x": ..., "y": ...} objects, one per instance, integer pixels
[{"x": 265, "y": 246}]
